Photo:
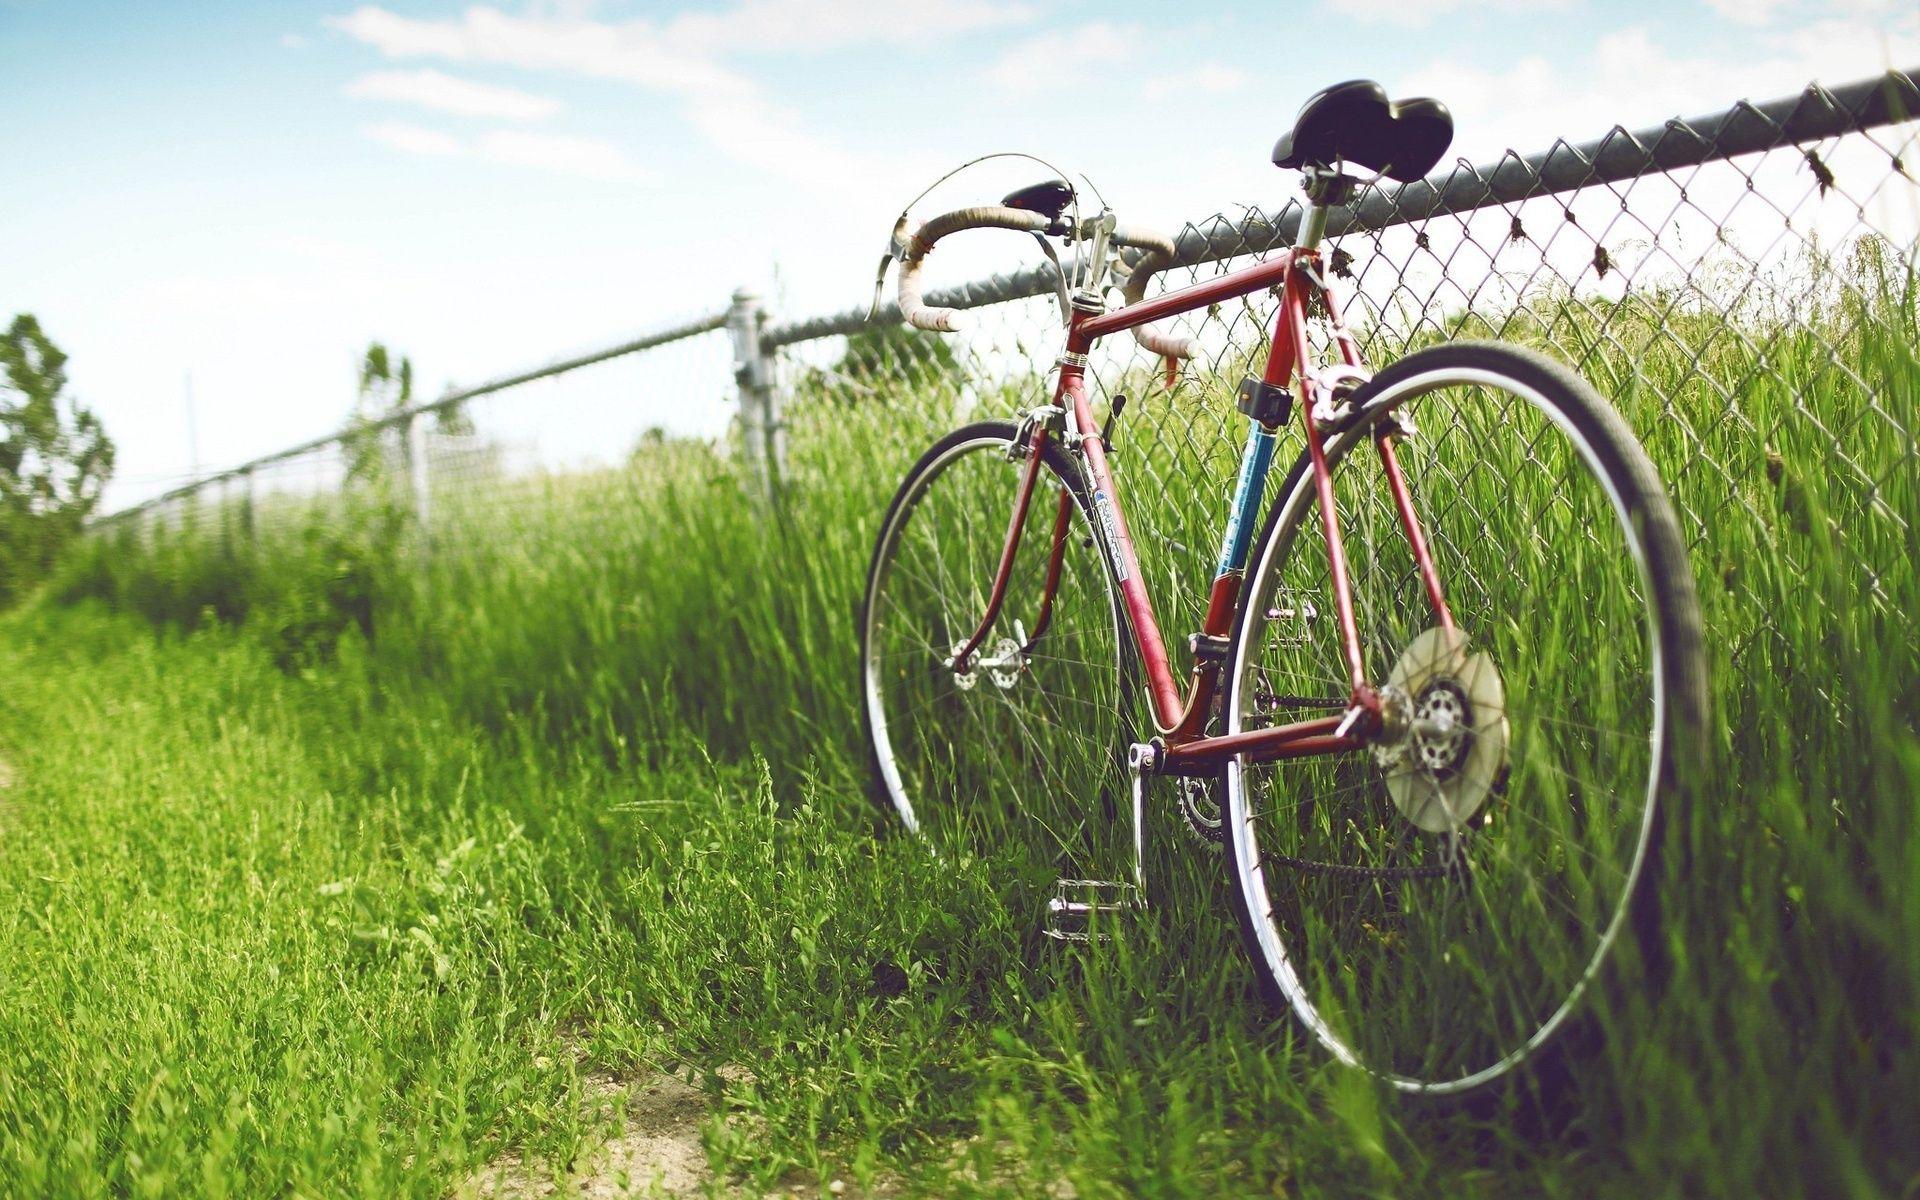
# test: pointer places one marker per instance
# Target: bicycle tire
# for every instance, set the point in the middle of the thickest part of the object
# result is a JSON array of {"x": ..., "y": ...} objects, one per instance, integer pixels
[
  {"x": 1045, "y": 790},
  {"x": 1285, "y": 955}
]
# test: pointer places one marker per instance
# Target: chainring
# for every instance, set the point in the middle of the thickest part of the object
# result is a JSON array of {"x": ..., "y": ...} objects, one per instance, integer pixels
[{"x": 1199, "y": 804}]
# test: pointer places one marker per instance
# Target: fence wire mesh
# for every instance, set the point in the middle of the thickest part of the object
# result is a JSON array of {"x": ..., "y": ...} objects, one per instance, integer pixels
[
  {"x": 1740, "y": 286},
  {"x": 481, "y": 452}
]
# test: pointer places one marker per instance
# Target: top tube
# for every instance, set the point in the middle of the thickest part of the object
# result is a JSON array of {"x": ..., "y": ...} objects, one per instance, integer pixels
[{"x": 1200, "y": 295}]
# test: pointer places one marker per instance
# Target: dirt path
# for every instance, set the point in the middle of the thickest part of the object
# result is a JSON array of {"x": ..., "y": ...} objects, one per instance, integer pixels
[{"x": 656, "y": 1153}]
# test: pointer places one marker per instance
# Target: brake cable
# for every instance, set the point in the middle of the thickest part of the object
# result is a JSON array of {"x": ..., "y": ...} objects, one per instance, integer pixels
[{"x": 897, "y": 243}]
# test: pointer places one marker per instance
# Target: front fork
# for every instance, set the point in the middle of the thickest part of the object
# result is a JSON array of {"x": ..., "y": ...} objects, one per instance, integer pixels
[
  {"x": 1033, "y": 436},
  {"x": 1062, "y": 526}
]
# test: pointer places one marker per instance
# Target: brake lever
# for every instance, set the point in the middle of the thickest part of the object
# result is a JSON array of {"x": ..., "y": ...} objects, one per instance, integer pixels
[{"x": 896, "y": 247}]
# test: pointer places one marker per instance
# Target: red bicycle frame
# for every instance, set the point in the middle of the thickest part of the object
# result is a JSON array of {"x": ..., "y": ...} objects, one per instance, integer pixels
[{"x": 1181, "y": 718}]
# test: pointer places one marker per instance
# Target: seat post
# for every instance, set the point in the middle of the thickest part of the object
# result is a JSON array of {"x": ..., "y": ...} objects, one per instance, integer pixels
[
  {"x": 1325, "y": 187},
  {"x": 1313, "y": 226}
]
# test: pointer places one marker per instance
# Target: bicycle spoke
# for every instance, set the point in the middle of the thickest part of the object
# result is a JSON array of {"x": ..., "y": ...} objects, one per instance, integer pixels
[
  {"x": 1540, "y": 804},
  {"x": 1002, "y": 767}
]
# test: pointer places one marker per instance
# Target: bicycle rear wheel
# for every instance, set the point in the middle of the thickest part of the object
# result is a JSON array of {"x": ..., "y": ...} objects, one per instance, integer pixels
[
  {"x": 1025, "y": 745},
  {"x": 1433, "y": 907}
]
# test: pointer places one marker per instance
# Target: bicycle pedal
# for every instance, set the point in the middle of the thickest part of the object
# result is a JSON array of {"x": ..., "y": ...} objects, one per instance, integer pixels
[{"x": 1071, "y": 914}]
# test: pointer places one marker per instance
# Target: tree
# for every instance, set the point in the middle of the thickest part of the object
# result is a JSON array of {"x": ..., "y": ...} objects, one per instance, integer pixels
[
  {"x": 386, "y": 387},
  {"x": 54, "y": 457}
]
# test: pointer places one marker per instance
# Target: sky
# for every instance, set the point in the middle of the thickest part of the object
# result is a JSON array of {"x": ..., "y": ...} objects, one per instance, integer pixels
[{"x": 245, "y": 194}]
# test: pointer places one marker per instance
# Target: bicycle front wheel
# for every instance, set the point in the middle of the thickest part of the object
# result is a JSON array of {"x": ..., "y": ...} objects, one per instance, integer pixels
[
  {"x": 1433, "y": 906},
  {"x": 1023, "y": 745}
]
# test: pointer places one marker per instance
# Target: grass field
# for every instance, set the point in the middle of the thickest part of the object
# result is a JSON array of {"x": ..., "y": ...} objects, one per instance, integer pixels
[{"x": 343, "y": 865}]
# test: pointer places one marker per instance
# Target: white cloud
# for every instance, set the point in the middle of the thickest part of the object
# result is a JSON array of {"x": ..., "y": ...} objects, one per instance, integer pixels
[
  {"x": 1838, "y": 49},
  {"x": 1766, "y": 12},
  {"x": 413, "y": 139},
  {"x": 1635, "y": 79},
  {"x": 1210, "y": 79},
  {"x": 293, "y": 41},
  {"x": 559, "y": 154},
  {"x": 437, "y": 90},
  {"x": 1414, "y": 14},
  {"x": 1092, "y": 55},
  {"x": 683, "y": 59},
  {"x": 814, "y": 25},
  {"x": 1064, "y": 58},
  {"x": 633, "y": 52},
  {"x": 682, "y": 55},
  {"x": 589, "y": 158},
  {"x": 1748, "y": 12}
]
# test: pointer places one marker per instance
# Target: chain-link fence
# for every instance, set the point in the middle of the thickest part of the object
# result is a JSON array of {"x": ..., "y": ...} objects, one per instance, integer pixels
[
  {"x": 1742, "y": 285},
  {"x": 477, "y": 449}
]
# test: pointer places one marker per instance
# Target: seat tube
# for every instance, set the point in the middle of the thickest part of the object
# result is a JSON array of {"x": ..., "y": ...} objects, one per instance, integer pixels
[
  {"x": 1237, "y": 540},
  {"x": 1256, "y": 459}
]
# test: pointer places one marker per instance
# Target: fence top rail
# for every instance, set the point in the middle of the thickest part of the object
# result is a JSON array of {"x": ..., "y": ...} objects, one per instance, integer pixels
[
  {"x": 1811, "y": 115},
  {"x": 646, "y": 341}
]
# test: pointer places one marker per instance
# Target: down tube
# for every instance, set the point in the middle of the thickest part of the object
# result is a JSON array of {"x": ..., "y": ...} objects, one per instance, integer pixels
[{"x": 1165, "y": 693}]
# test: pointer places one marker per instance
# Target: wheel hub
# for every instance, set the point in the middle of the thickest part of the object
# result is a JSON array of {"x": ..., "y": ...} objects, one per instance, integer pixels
[
  {"x": 1443, "y": 728},
  {"x": 1004, "y": 663},
  {"x": 1443, "y": 738}
]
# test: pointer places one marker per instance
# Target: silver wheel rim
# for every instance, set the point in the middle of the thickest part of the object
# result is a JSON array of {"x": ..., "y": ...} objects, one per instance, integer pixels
[
  {"x": 885, "y": 755},
  {"x": 1250, "y": 872}
]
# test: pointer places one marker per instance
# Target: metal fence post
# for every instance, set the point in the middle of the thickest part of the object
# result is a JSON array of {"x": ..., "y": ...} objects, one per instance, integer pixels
[
  {"x": 418, "y": 479},
  {"x": 223, "y": 515},
  {"x": 246, "y": 507},
  {"x": 760, "y": 424}
]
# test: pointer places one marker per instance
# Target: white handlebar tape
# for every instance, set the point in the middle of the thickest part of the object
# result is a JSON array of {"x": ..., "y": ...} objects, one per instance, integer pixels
[
  {"x": 1158, "y": 255},
  {"x": 920, "y": 315},
  {"x": 990, "y": 216},
  {"x": 1166, "y": 345}
]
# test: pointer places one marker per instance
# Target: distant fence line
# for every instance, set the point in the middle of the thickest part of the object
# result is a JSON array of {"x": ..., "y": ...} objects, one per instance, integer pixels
[{"x": 762, "y": 348}]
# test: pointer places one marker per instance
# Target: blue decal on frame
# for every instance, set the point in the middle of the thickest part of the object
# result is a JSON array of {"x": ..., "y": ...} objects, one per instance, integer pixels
[{"x": 1246, "y": 499}]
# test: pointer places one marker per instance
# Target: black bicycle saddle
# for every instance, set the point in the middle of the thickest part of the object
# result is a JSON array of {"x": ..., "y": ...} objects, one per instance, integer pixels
[{"x": 1354, "y": 122}]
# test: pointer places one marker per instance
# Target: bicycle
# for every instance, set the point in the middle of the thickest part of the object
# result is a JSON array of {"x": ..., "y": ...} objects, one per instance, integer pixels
[{"x": 1428, "y": 867}]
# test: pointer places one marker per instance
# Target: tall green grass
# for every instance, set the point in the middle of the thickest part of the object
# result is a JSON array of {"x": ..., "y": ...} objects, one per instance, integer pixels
[{"x": 565, "y": 657}]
